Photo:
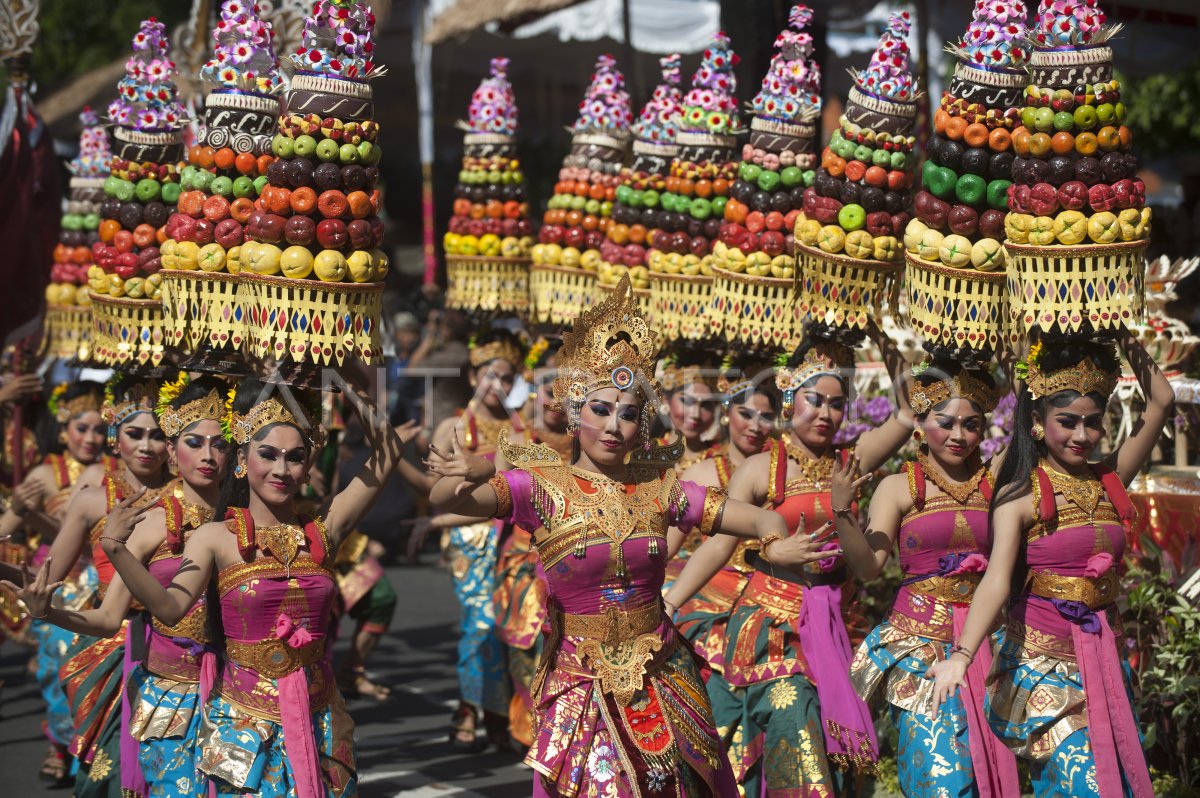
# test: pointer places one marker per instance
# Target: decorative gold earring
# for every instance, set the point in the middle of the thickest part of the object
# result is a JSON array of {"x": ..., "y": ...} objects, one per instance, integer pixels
[
  {"x": 1037, "y": 431},
  {"x": 918, "y": 435},
  {"x": 239, "y": 471},
  {"x": 724, "y": 419}
]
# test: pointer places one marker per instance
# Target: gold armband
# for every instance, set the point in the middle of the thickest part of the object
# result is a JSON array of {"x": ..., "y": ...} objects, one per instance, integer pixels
[
  {"x": 714, "y": 506},
  {"x": 503, "y": 495}
]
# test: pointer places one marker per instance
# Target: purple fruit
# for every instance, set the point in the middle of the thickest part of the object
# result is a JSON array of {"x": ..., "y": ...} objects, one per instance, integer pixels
[
  {"x": 329, "y": 175},
  {"x": 872, "y": 199},
  {"x": 1062, "y": 169},
  {"x": 354, "y": 177},
  {"x": 1089, "y": 171},
  {"x": 130, "y": 215}
]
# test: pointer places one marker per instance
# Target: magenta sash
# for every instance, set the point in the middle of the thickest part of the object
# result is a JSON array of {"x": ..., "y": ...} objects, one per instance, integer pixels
[
  {"x": 295, "y": 715},
  {"x": 845, "y": 719},
  {"x": 133, "y": 781},
  {"x": 994, "y": 764},
  {"x": 1111, "y": 727}
]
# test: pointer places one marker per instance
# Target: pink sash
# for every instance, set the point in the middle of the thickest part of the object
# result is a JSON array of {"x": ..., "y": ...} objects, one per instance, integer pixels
[
  {"x": 994, "y": 764},
  {"x": 295, "y": 714}
]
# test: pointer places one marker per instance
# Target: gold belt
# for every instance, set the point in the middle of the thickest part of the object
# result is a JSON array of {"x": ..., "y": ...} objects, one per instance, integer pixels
[
  {"x": 956, "y": 589},
  {"x": 1094, "y": 592},
  {"x": 612, "y": 626},
  {"x": 274, "y": 658}
]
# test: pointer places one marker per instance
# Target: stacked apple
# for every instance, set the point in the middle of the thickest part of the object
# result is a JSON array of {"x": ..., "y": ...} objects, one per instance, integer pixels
[
  {"x": 579, "y": 213},
  {"x": 636, "y": 210},
  {"x": 767, "y": 196},
  {"x": 697, "y": 187},
  {"x": 965, "y": 181},
  {"x": 859, "y": 202},
  {"x": 491, "y": 213},
  {"x": 143, "y": 181}
]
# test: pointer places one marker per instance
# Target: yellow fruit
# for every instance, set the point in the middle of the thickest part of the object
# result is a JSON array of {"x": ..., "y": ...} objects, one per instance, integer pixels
[
  {"x": 1103, "y": 228},
  {"x": 930, "y": 245},
  {"x": 987, "y": 255},
  {"x": 860, "y": 244},
  {"x": 1070, "y": 227},
  {"x": 912, "y": 234},
  {"x": 832, "y": 239}
]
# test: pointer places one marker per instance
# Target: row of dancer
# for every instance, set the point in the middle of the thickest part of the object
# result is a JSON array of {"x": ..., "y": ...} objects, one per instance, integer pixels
[
  {"x": 207, "y": 643},
  {"x": 740, "y": 677}
]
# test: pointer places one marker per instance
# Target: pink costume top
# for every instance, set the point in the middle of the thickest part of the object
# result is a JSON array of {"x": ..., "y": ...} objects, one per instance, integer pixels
[
  {"x": 1068, "y": 611},
  {"x": 275, "y": 611},
  {"x": 614, "y": 672}
]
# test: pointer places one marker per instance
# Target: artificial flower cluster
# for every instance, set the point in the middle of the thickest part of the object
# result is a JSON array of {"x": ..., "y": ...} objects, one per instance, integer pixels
[
  {"x": 243, "y": 57},
  {"x": 147, "y": 96}
]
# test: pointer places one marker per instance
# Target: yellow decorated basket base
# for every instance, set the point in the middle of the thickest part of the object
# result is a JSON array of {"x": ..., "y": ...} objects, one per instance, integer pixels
[
  {"x": 68, "y": 333},
  {"x": 759, "y": 312},
  {"x": 960, "y": 308},
  {"x": 205, "y": 310},
  {"x": 842, "y": 291},
  {"x": 559, "y": 294},
  {"x": 680, "y": 304},
  {"x": 1066, "y": 289},
  {"x": 490, "y": 285},
  {"x": 310, "y": 321},
  {"x": 127, "y": 332}
]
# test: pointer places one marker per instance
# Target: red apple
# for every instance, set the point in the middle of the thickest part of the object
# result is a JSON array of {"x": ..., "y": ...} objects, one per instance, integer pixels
[
  {"x": 633, "y": 255},
  {"x": 203, "y": 232},
  {"x": 301, "y": 230},
  {"x": 228, "y": 233},
  {"x": 879, "y": 223},
  {"x": 773, "y": 243},
  {"x": 270, "y": 228},
  {"x": 331, "y": 234},
  {"x": 573, "y": 237},
  {"x": 359, "y": 231},
  {"x": 126, "y": 265}
]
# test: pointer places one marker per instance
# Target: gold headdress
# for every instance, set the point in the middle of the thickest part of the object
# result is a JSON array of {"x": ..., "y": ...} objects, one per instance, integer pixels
[
  {"x": 1084, "y": 377},
  {"x": 172, "y": 420},
  {"x": 673, "y": 377},
  {"x": 139, "y": 399},
  {"x": 496, "y": 350},
  {"x": 964, "y": 385},
  {"x": 735, "y": 381},
  {"x": 242, "y": 428},
  {"x": 610, "y": 345},
  {"x": 825, "y": 357},
  {"x": 66, "y": 409}
]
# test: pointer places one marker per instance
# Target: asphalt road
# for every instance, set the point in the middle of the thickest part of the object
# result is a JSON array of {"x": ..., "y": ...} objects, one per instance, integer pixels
[{"x": 403, "y": 745}]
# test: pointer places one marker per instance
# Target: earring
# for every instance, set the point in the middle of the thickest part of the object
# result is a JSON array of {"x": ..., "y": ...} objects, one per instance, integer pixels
[
  {"x": 918, "y": 435},
  {"x": 1037, "y": 431},
  {"x": 239, "y": 471},
  {"x": 724, "y": 419}
]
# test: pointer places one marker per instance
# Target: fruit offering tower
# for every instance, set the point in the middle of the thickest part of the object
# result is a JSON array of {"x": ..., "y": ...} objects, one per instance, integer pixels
[
  {"x": 636, "y": 212},
  {"x": 68, "y": 317},
  {"x": 226, "y": 171},
  {"x": 703, "y": 171},
  {"x": 1078, "y": 224},
  {"x": 490, "y": 234},
  {"x": 767, "y": 197},
  {"x": 580, "y": 211},
  {"x": 858, "y": 206},
  {"x": 141, "y": 191},
  {"x": 312, "y": 257},
  {"x": 953, "y": 245}
]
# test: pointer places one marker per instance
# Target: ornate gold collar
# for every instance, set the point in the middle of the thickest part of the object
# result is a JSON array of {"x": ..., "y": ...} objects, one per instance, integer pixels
[
  {"x": 959, "y": 491},
  {"x": 1083, "y": 492}
]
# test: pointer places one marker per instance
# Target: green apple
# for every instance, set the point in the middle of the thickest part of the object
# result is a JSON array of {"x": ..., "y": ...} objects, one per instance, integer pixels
[
  {"x": 651, "y": 198},
  {"x": 494, "y": 176},
  {"x": 71, "y": 221},
  {"x": 881, "y": 158},
  {"x": 91, "y": 221},
  {"x": 1106, "y": 113},
  {"x": 369, "y": 153},
  {"x": 578, "y": 202},
  {"x": 592, "y": 206},
  {"x": 110, "y": 185},
  {"x": 606, "y": 208},
  {"x": 211, "y": 257},
  {"x": 791, "y": 176},
  {"x": 1043, "y": 119},
  {"x": 851, "y": 217},
  {"x": 304, "y": 146},
  {"x": 135, "y": 287},
  {"x": 359, "y": 266},
  {"x": 1064, "y": 120},
  {"x": 243, "y": 186},
  {"x": 1028, "y": 117},
  {"x": 327, "y": 150},
  {"x": 221, "y": 185},
  {"x": 260, "y": 183},
  {"x": 330, "y": 266},
  {"x": 296, "y": 262},
  {"x": 700, "y": 208},
  {"x": 283, "y": 146},
  {"x": 264, "y": 258},
  {"x": 1086, "y": 117},
  {"x": 348, "y": 153},
  {"x": 623, "y": 192},
  {"x": 170, "y": 193},
  {"x": 124, "y": 191},
  {"x": 202, "y": 180},
  {"x": 768, "y": 180}
]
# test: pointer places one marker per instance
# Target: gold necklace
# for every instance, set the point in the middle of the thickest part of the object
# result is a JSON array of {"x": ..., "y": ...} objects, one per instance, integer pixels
[
  {"x": 815, "y": 472},
  {"x": 281, "y": 541},
  {"x": 481, "y": 433},
  {"x": 959, "y": 491},
  {"x": 1083, "y": 492}
]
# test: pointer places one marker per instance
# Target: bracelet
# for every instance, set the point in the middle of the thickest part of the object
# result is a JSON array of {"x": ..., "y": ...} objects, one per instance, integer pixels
[
  {"x": 41, "y": 617},
  {"x": 114, "y": 540},
  {"x": 839, "y": 510},
  {"x": 774, "y": 537},
  {"x": 970, "y": 655}
]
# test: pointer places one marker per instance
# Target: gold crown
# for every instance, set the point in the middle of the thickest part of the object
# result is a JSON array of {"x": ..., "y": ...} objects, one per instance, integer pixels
[
  {"x": 610, "y": 345},
  {"x": 173, "y": 421},
  {"x": 140, "y": 399},
  {"x": 825, "y": 357},
  {"x": 66, "y": 409},
  {"x": 1084, "y": 377},
  {"x": 673, "y": 377},
  {"x": 964, "y": 385},
  {"x": 273, "y": 411},
  {"x": 734, "y": 381},
  {"x": 496, "y": 350}
]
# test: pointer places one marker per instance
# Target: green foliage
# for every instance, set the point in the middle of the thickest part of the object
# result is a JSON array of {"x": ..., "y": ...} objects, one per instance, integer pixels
[
  {"x": 80, "y": 35},
  {"x": 1164, "y": 631},
  {"x": 1164, "y": 110}
]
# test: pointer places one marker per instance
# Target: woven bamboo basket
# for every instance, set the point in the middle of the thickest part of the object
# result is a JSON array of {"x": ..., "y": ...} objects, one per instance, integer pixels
[
  {"x": 962, "y": 308},
  {"x": 127, "y": 332},
  {"x": 1062, "y": 289},
  {"x": 759, "y": 312},
  {"x": 205, "y": 310},
  {"x": 309, "y": 321},
  {"x": 842, "y": 291},
  {"x": 644, "y": 297},
  {"x": 680, "y": 304},
  {"x": 68, "y": 332},
  {"x": 487, "y": 284},
  {"x": 559, "y": 294}
]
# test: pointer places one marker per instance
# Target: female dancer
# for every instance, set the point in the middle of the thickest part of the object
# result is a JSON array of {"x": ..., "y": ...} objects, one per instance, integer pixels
[
  {"x": 750, "y": 413},
  {"x": 935, "y": 514},
  {"x": 785, "y": 702},
  {"x": 472, "y": 548},
  {"x": 179, "y": 662},
  {"x": 276, "y": 587},
  {"x": 520, "y": 599},
  {"x": 94, "y": 669},
  {"x": 620, "y": 705},
  {"x": 1057, "y": 695},
  {"x": 39, "y": 504},
  {"x": 692, "y": 407}
]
